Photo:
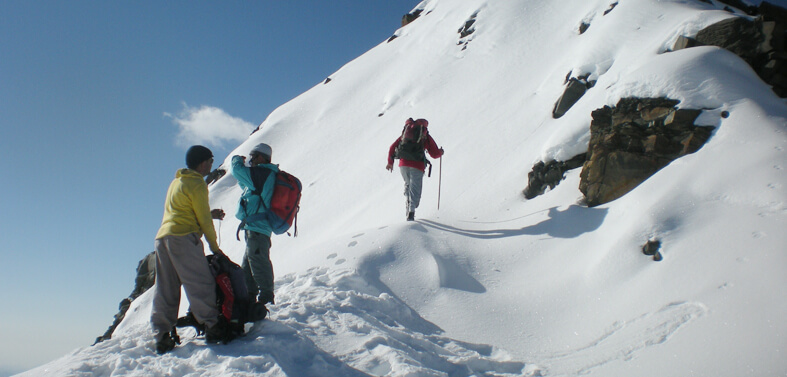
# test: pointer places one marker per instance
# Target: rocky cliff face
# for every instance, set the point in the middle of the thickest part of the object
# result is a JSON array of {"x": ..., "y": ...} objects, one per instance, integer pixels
[
  {"x": 759, "y": 38},
  {"x": 146, "y": 277},
  {"x": 637, "y": 137},
  {"x": 632, "y": 141}
]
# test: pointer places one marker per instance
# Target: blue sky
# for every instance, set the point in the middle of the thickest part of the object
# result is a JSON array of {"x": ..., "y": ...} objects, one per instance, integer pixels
[{"x": 92, "y": 96}]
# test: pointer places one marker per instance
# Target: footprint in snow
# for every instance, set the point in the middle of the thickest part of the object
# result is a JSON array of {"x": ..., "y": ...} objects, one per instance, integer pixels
[{"x": 624, "y": 339}]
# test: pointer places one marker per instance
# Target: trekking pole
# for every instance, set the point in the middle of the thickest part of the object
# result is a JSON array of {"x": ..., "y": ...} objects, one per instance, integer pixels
[{"x": 439, "y": 182}]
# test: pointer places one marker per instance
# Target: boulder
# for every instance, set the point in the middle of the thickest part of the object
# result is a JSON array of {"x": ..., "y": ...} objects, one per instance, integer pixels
[
  {"x": 632, "y": 141},
  {"x": 574, "y": 91},
  {"x": 576, "y": 87},
  {"x": 652, "y": 248},
  {"x": 410, "y": 17}
]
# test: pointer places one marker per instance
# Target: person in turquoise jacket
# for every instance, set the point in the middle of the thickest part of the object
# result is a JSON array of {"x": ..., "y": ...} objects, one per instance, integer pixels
[{"x": 252, "y": 205}]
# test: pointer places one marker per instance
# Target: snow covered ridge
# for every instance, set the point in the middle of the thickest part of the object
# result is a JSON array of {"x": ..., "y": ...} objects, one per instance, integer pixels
[{"x": 493, "y": 284}]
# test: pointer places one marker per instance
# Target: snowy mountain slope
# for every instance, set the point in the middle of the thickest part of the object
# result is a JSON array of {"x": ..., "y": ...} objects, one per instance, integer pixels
[{"x": 492, "y": 284}]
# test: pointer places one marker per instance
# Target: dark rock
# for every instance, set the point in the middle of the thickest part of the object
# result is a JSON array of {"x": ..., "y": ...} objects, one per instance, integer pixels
[
  {"x": 737, "y": 34},
  {"x": 632, "y": 141},
  {"x": 410, "y": 17},
  {"x": 215, "y": 175},
  {"x": 772, "y": 63},
  {"x": 652, "y": 248},
  {"x": 328, "y": 79},
  {"x": 611, "y": 7},
  {"x": 750, "y": 10},
  {"x": 146, "y": 277},
  {"x": 549, "y": 174},
  {"x": 468, "y": 28},
  {"x": 583, "y": 27},
  {"x": 575, "y": 89}
]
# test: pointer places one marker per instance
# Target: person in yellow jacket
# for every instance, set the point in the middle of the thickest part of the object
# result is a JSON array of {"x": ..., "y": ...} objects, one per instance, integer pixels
[{"x": 180, "y": 257}]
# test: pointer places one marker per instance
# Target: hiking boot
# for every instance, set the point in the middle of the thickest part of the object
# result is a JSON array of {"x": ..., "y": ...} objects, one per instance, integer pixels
[
  {"x": 236, "y": 329},
  {"x": 411, "y": 216},
  {"x": 266, "y": 298},
  {"x": 219, "y": 333},
  {"x": 257, "y": 312},
  {"x": 189, "y": 320},
  {"x": 166, "y": 343}
]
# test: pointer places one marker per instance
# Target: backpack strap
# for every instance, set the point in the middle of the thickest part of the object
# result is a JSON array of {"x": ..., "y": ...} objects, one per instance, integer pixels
[
  {"x": 259, "y": 175},
  {"x": 254, "y": 217}
]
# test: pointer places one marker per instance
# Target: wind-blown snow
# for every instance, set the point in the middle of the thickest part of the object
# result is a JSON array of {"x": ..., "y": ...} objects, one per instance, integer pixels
[{"x": 492, "y": 284}]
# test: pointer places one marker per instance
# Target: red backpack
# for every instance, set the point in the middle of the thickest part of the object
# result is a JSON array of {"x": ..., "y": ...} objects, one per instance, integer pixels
[{"x": 285, "y": 203}]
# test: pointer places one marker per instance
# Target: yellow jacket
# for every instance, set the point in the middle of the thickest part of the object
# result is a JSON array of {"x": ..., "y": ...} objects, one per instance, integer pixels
[{"x": 187, "y": 209}]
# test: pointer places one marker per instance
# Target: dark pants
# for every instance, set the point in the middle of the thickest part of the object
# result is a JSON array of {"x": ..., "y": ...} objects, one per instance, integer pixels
[{"x": 257, "y": 265}]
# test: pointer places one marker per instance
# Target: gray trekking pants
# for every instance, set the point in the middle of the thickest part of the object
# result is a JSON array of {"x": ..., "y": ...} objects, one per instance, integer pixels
[
  {"x": 180, "y": 260},
  {"x": 413, "y": 182},
  {"x": 257, "y": 265}
]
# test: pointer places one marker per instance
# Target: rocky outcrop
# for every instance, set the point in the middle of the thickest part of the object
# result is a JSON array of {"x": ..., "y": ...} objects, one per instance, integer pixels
[
  {"x": 549, "y": 174},
  {"x": 632, "y": 141},
  {"x": 468, "y": 28},
  {"x": 146, "y": 277},
  {"x": 761, "y": 42}
]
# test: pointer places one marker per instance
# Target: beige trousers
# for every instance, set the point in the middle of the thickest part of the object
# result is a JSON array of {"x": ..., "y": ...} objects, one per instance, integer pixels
[{"x": 180, "y": 260}]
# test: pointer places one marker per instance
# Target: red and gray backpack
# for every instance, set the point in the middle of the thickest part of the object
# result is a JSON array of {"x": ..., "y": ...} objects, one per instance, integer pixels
[{"x": 412, "y": 141}]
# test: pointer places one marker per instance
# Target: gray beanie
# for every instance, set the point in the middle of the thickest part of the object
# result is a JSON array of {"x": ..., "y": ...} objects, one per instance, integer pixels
[
  {"x": 196, "y": 155},
  {"x": 264, "y": 149}
]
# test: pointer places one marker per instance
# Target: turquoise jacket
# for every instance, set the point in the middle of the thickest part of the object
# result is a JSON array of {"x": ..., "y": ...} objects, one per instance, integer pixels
[{"x": 249, "y": 204}]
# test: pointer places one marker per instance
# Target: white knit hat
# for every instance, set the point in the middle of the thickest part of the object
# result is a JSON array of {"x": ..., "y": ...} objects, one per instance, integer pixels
[{"x": 264, "y": 149}]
